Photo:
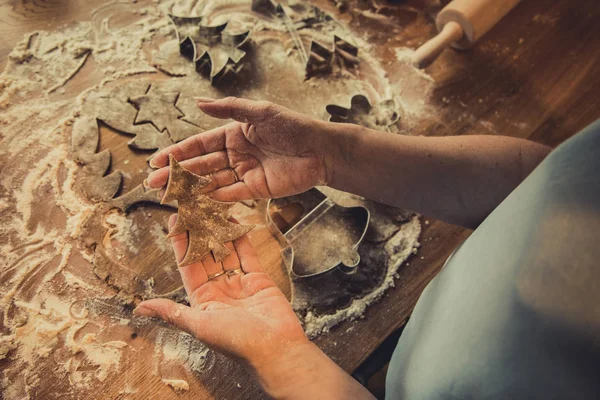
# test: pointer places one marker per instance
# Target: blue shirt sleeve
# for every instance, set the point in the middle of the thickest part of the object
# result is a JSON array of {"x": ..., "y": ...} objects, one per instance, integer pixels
[{"x": 515, "y": 313}]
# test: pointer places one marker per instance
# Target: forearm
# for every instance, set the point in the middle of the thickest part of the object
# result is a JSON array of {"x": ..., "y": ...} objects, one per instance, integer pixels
[
  {"x": 458, "y": 179},
  {"x": 305, "y": 372}
]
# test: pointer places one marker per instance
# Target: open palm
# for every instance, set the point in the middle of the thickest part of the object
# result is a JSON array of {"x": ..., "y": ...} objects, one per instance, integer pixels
[
  {"x": 236, "y": 308},
  {"x": 248, "y": 300},
  {"x": 265, "y": 153}
]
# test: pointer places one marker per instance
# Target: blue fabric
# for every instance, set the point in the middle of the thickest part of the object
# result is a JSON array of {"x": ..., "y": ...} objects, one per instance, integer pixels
[{"x": 515, "y": 313}]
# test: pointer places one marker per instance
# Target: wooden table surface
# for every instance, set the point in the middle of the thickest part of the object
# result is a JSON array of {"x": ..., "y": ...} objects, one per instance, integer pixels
[{"x": 536, "y": 75}]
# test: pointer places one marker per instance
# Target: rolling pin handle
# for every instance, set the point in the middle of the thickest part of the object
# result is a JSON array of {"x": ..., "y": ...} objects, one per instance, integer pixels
[{"x": 430, "y": 50}]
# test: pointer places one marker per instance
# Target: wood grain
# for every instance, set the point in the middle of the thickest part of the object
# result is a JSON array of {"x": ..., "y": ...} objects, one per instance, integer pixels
[{"x": 536, "y": 75}]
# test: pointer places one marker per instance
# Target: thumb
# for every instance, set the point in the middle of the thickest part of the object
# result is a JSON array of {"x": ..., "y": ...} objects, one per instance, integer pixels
[
  {"x": 176, "y": 314},
  {"x": 242, "y": 110}
]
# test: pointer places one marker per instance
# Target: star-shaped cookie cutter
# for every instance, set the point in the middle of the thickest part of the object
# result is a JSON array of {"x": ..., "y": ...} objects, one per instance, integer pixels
[{"x": 198, "y": 42}]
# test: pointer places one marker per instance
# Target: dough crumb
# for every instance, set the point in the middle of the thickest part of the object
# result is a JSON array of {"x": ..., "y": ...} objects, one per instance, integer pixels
[{"x": 177, "y": 384}]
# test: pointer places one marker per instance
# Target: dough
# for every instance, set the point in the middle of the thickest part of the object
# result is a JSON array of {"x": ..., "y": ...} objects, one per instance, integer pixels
[
  {"x": 156, "y": 107},
  {"x": 84, "y": 142},
  {"x": 113, "y": 108},
  {"x": 200, "y": 216}
]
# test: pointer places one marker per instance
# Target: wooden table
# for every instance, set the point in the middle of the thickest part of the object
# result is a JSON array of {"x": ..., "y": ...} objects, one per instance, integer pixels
[{"x": 536, "y": 75}]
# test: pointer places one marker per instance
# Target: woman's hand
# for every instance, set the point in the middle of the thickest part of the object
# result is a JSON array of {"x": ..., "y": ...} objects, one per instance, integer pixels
[
  {"x": 243, "y": 315},
  {"x": 273, "y": 151}
]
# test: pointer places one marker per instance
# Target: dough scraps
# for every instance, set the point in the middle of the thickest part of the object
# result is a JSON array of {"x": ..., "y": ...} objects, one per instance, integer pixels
[
  {"x": 148, "y": 112},
  {"x": 156, "y": 107},
  {"x": 177, "y": 384},
  {"x": 113, "y": 108},
  {"x": 93, "y": 182},
  {"x": 199, "y": 215}
]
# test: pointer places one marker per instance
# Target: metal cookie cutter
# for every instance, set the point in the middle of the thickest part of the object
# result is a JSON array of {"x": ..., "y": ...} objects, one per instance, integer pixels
[
  {"x": 215, "y": 52},
  {"x": 383, "y": 115},
  {"x": 326, "y": 237}
]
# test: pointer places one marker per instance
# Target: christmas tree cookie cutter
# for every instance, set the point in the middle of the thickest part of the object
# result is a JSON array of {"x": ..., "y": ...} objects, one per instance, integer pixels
[
  {"x": 215, "y": 52},
  {"x": 319, "y": 59},
  {"x": 325, "y": 238}
]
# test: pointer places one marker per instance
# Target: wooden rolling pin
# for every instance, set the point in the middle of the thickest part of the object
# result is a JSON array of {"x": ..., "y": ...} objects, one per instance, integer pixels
[{"x": 460, "y": 24}]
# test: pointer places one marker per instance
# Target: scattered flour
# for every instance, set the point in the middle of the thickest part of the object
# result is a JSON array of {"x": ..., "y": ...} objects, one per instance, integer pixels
[
  {"x": 180, "y": 347},
  {"x": 174, "y": 348},
  {"x": 160, "y": 238},
  {"x": 123, "y": 230},
  {"x": 49, "y": 323},
  {"x": 42, "y": 210},
  {"x": 400, "y": 246}
]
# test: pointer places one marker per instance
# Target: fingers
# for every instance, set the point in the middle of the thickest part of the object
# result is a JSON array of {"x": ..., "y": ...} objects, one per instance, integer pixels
[
  {"x": 179, "y": 242},
  {"x": 231, "y": 193},
  {"x": 201, "y": 165},
  {"x": 242, "y": 110},
  {"x": 247, "y": 255},
  {"x": 218, "y": 179},
  {"x": 197, "y": 145},
  {"x": 194, "y": 275},
  {"x": 176, "y": 314},
  {"x": 231, "y": 262},
  {"x": 211, "y": 266}
]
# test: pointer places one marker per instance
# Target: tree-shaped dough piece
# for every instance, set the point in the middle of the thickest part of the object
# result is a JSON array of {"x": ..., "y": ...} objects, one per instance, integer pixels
[{"x": 200, "y": 216}]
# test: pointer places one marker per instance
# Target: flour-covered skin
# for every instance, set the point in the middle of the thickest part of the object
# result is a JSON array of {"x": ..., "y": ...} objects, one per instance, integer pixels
[
  {"x": 274, "y": 151},
  {"x": 246, "y": 317},
  {"x": 277, "y": 152}
]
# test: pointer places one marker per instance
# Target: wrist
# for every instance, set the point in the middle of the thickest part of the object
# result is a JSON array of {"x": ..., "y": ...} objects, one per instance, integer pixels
[
  {"x": 302, "y": 371},
  {"x": 338, "y": 149},
  {"x": 292, "y": 371}
]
